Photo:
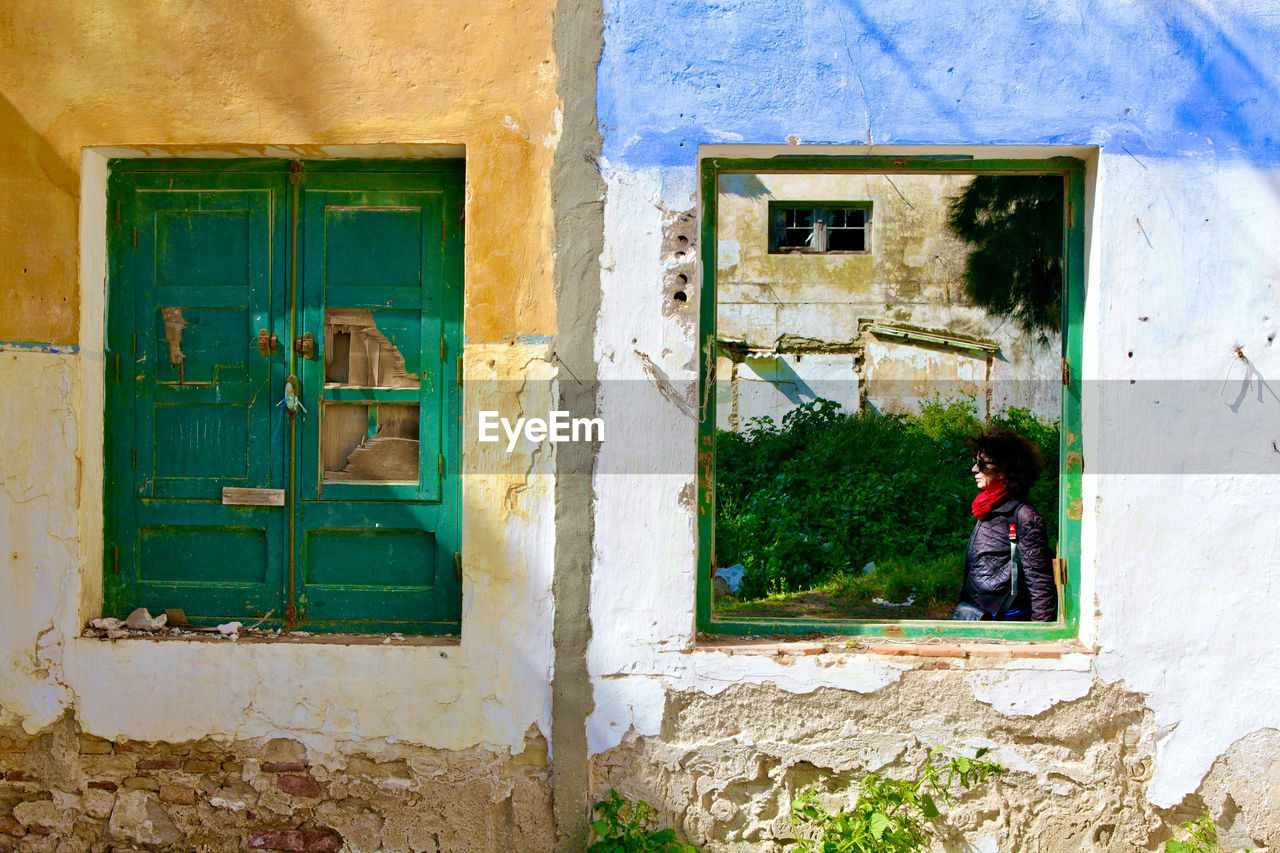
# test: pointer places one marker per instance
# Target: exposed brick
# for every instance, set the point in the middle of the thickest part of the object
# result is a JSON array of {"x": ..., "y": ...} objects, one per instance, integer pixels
[
  {"x": 91, "y": 745},
  {"x": 19, "y": 776},
  {"x": 294, "y": 840},
  {"x": 10, "y": 826},
  {"x": 6, "y": 847},
  {"x": 924, "y": 650},
  {"x": 144, "y": 782},
  {"x": 104, "y": 786},
  {"x": 200, "y": 765},
  {"x": 299, "y": 786},
  {"x": 159, "y": 764},
  {"x": 180, "y": 794},
  {"x": 125, "y": 746},
  {"x": 284, "y": 767}
]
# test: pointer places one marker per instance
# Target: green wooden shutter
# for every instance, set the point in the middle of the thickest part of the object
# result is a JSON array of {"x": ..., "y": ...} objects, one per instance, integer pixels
[
  {"x": 191, "y": 407},
  {"x": 200, "y": 265}
]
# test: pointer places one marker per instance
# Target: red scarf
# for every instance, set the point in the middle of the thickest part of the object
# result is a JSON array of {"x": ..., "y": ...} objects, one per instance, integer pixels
[{"x": 986, "y": 501}]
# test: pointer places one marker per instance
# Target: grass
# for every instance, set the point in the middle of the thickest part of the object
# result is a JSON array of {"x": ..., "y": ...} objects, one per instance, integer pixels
[{"x": 932, "y": 585}]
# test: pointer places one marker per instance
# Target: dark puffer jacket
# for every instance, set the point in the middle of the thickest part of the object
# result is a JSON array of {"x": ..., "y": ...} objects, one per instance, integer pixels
[{"x": 986, "y": 564}]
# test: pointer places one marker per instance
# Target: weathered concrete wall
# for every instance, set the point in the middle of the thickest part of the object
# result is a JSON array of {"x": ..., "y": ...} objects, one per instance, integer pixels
[
  {"x": 88, "y": 81},
  {"x": 1169, "y": 107},
  {"x": 803, "y": 317}
]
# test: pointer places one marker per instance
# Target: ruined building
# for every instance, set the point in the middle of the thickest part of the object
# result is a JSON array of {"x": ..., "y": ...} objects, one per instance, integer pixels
[{"x": 263, "y": 265}]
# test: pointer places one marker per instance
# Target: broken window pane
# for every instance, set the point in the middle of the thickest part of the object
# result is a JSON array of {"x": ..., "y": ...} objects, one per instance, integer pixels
[
  {"x": 370, "y": 443},
  {"x": 371, "y": 349},
  {"x": 846, "y": 230},
  {"x": 794, "y": 229}
]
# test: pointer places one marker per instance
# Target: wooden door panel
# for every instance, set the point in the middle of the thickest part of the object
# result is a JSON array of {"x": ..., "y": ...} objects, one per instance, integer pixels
[{"x": 196, "y": 273}]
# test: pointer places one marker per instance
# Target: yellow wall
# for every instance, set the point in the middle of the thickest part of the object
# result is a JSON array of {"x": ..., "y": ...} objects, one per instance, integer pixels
[
  {"x": 262, "y": 72},
  {"x": 255, "y": 78}
]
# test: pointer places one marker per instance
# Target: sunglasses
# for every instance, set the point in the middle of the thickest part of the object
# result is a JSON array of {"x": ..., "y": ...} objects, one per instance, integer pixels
[{"x": 983, "y": 464}]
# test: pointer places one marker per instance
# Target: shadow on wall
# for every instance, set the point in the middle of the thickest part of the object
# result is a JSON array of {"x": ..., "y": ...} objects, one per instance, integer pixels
[
  {"x": 746, "y": 186},
  {"x": 38, "y": 255},
  {"x": 1154, "y": 79},
  {"x": 1228, "y": 97}
]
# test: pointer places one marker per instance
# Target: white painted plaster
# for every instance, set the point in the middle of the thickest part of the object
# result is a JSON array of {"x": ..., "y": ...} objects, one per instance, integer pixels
[
  {"x": 1027, "y": 693},
  {"x": 37, "y": 533}
]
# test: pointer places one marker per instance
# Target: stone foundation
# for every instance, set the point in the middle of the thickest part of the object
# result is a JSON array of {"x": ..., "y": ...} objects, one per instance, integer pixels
[
  {"x": 724, "y": 768},
  {"x": 67, "y": 792}
]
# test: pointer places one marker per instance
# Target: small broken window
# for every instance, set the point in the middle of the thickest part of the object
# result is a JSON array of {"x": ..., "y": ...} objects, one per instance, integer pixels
[
  {"x": 370, "y": 443},
  {"x": 819, "y": 227},
  {"x": 367, "y": 349}
]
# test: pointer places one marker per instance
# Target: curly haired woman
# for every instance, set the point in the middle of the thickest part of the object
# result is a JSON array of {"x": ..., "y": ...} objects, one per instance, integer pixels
[{"x": 1005, "y": 465}]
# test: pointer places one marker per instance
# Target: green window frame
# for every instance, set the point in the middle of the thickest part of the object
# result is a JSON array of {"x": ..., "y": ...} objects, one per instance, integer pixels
[
  {"x": 820, "y": 227},
  {"x": 223, "y": 277},
  {"x": 1072, "y": 171}
]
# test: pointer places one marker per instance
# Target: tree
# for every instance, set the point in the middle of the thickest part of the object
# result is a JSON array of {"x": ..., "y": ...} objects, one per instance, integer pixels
[{"x": 1014, "y": 226}]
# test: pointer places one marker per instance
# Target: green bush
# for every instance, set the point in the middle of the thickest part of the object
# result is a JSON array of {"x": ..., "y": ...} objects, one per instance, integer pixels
[
  {"x": 827, "y": 492},
  {"x": 626, "y": 827},
  {"x": 889, "y": 815}
]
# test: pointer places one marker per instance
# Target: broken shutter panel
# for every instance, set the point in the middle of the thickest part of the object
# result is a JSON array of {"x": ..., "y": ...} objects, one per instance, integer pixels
[{"x": 379, "y": 517}]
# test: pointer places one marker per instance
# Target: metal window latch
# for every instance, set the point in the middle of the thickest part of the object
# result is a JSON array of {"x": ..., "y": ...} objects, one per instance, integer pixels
[
  {"x": 305, "y": 346},
  {"x": 267, "y": 342}
]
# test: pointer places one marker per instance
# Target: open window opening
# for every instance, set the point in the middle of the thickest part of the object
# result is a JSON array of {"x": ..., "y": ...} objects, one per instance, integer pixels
[
  {"x": 847, "y": 379},
  {"x": 819, "y": 227}
]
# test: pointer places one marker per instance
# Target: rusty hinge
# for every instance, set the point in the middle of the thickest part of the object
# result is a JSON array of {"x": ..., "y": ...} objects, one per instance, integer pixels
[
  {"x": 1066, "y": 372},
  {"x": 457, "y": 564},
  {"x": 133, "y": 461},
  {"x": 135, "y": 236},
  {"x": 134, "y": 345},
  {"x": 442, "y": 348},
  {"x": 290, "y": 614},
  {"x": 440, "y": 465},
  {"x": 295, "y": 172},
  {"x": 117, "y": 357},
  {"x": 459, "y": 371},
  {"x": 115, "y": 560}
]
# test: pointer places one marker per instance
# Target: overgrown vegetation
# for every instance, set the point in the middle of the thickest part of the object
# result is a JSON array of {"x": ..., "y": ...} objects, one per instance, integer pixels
[
  {"x": 809, "y": 503},
  {"x": 1197, "y": 836},
  {"x": 1013, "y": 225},
  {"x": 889, "y": 815},
  {"x": 626, "y": 827}
]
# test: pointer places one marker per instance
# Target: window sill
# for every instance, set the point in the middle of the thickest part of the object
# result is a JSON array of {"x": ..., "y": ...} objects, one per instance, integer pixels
[
  {"x": 950, "y": 649},
  {"x": 257, "y": 637}
]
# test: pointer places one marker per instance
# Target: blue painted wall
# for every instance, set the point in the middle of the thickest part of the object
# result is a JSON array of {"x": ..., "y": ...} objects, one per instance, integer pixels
[{"x": 1152, "y": 78}]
